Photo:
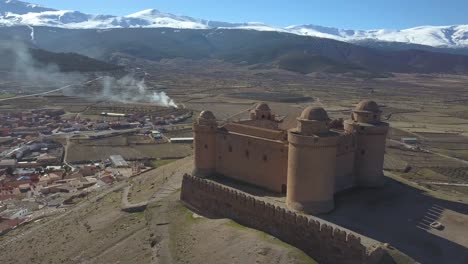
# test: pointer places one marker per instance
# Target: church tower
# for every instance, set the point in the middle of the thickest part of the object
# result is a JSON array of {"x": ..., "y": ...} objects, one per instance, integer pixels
[
  {"x": 204, "y": 129},
  {"x": 311, "y": 163}
]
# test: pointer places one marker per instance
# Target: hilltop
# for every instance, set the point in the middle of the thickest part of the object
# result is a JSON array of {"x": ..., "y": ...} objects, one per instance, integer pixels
[{"x": 97, "y": 231}]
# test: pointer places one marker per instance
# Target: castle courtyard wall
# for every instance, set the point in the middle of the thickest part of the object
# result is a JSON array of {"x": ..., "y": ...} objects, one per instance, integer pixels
[
  {"x": 344, "y": 174},
  {"x": 253, "y": 160}
]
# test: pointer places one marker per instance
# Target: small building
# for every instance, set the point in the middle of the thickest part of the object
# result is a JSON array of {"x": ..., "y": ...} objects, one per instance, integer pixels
[
  {"x": 56, "y": 188},
  {"x": 409, "y": 140},
  {"x": 89, "y": 170},
  {"x": 181, "y": 140},
  {"x": 47, "y": 159},
  {"x": 24, "y": 187},
  {"x": 156, "y": 134},
  {"x": 15, "y": 214},
  {"x": 101, "y": 126},
  {"x": 114, "y": 114},
  {"x": 118, "y": 161},
  {"x": 24, "y": 172},
  {"x": 54, "y": 168},
  {"x": 107, "y": 179},
  {"x": 8, "y": 163},
  {"x": 49, "y": 178}
]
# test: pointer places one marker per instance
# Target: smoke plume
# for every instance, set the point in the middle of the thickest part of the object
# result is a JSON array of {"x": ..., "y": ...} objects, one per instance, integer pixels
[
  {"x": 41, "y": 77},
  {"x": 38, "y": 76},
  {"x": 128, "y": 89}
]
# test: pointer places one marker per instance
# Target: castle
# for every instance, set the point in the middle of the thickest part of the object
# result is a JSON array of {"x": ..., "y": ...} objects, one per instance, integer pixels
[{"x": 309, "y": 163}]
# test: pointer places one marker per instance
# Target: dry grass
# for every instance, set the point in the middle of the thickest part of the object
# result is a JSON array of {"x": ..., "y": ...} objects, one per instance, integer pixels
[{"x": 155, "y": 151}]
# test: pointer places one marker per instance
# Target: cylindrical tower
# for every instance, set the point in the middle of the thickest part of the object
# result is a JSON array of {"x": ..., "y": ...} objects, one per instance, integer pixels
[
  {"x": 311, "y": 163},
  {"x": 371, "y": 134},
  {"x": 204, "y": 130}
]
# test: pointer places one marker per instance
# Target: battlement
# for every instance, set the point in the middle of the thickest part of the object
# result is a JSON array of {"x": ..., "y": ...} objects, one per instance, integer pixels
[{"x": 323, "y": 241}]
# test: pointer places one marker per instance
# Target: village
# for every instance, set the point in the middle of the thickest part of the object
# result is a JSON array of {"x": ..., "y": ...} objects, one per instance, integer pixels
[{"x": 36, "y": 178}]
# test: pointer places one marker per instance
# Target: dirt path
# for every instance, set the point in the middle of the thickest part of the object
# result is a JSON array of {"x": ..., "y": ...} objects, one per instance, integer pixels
[
  {"x": 429, "y": 151},
  {"x": 65, "y": 151}
]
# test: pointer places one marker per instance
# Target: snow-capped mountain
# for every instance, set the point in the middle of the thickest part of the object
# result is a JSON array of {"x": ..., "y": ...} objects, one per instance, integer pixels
[
  {"x": 14, "y": 12},
  {"x": 20, "y": 8},
  {"x": 436, "y": 36}
]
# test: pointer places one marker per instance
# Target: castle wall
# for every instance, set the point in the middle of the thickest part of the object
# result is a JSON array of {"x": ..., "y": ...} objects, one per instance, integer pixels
[
  {"x": 344, "y": 175},
  {"x": 255, "y": 131},
  {"x": 265, "y": 123},
  {"x": 323, "y": 241},
  {"x": 369, "y": 155},
  {"x": 370, "y": 159},
  {"x": 253, "y": 160}
]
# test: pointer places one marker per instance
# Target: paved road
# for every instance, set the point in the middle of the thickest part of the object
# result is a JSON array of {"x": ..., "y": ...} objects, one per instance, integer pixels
[{"x": 48, "y": 92}]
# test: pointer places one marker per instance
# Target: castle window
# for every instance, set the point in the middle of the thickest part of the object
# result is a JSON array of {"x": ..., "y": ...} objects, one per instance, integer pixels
[
  {"x": 247, "y": 153},
  {"x": 230, "y": 148},
  {"x": 263, "y": 116},
  {"x": 363, "y": 152},
  {"x": 375, "y": 116},
  {"x": 265, "y": 158},
  {"x": 206, "y": 146}
]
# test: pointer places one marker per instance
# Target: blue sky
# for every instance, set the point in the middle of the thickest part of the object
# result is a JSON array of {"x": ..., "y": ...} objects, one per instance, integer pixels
[{"x": 350, "y": 14}]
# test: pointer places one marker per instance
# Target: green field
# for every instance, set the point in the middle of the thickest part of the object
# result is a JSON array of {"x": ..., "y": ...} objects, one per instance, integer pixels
[{"x": 6, "y": 95}]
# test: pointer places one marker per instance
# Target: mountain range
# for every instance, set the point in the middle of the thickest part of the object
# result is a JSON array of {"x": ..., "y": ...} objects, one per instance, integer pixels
[
  {"x": 18, "y": 13},
  {"x": 153, "y": 35}
]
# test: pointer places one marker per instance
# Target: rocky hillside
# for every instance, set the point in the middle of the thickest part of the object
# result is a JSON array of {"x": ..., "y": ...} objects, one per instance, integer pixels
[{"x": 19, "y": 57}]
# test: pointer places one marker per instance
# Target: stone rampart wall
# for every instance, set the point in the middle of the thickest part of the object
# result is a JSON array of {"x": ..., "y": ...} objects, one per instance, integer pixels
[{"x": 323, "y": 242}]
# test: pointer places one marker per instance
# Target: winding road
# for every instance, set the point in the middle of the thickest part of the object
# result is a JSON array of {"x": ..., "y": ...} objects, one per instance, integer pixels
[{"x": 48, "y": 92}]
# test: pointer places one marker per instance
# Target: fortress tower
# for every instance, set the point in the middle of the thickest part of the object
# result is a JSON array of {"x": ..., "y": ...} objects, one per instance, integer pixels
[
  {"x": 311, "y": 163},
  {"x": 204, "y": 129},
  {"x": 261, "y": 112},
  {"x": 371, "y": 134}
]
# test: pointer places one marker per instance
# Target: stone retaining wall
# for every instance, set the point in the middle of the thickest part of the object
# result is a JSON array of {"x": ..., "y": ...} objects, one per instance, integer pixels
[{"x": 126, "y": 206}]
